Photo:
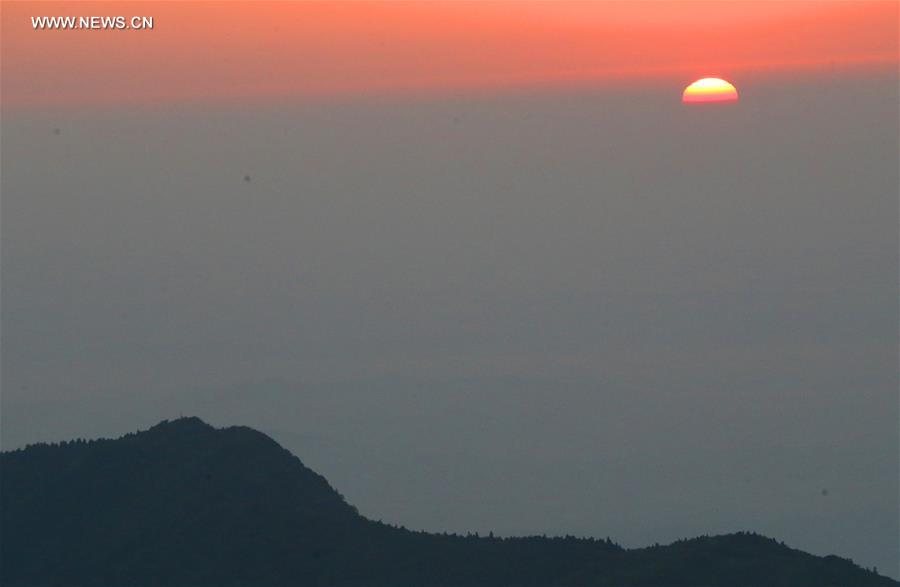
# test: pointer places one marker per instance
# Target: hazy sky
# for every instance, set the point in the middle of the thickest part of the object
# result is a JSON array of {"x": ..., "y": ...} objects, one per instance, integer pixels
[{"x": 568, "y": 306}]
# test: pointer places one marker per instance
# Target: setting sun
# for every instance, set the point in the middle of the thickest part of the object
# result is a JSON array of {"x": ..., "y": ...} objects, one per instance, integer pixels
[{"x": 709, "y": 89}]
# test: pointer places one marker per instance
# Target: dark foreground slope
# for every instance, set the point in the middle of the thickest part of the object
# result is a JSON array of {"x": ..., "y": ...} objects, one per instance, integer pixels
[{"x": 185, "y": 504}]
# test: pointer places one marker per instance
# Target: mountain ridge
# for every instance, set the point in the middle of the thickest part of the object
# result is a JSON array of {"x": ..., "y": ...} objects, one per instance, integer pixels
[{"x": 186, "y": 504}]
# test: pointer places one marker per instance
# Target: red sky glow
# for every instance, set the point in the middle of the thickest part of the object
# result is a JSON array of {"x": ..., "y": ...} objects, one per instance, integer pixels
[{"x": 201, "y": 51}]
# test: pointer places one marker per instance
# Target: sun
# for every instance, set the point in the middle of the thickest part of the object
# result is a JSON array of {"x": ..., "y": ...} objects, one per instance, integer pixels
[{"x": 709, "y": 89}]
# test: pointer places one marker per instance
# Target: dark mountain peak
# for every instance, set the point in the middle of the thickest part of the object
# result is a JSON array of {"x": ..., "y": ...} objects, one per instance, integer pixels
[
  {"x": 733, "y": 544},
  {"x": 185, "y": 503},
  {"x": 740, "y": 539},
  {"x": 191, "y": 434},
  {"x": 181, "y": 423},
  {"x": 187, "y": 426}
]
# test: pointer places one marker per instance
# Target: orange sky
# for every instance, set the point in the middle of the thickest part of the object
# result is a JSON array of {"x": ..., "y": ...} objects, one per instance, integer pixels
[{"x": 201, "y": 51}]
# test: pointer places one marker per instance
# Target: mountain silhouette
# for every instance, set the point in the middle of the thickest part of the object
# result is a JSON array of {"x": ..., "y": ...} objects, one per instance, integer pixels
[{"x": 185, "y": 504}]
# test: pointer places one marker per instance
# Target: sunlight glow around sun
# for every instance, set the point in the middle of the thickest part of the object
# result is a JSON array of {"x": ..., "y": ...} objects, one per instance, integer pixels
[{"x": 709, "y": 89}]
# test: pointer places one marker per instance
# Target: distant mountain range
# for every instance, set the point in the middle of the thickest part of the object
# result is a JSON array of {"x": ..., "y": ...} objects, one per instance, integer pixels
[{"x": 184, "y": 504}]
